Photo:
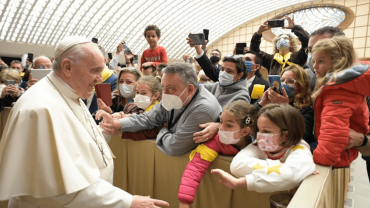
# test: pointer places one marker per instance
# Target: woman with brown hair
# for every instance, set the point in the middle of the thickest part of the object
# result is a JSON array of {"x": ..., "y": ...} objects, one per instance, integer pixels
[{"x": 297, "y": 93}]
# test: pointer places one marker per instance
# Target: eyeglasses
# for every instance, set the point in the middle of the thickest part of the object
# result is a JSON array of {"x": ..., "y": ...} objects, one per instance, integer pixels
[
  {"x": 288, "y": 81},
  {"x": 205, "y": 80},
  {"x": 43, "y": 67}
]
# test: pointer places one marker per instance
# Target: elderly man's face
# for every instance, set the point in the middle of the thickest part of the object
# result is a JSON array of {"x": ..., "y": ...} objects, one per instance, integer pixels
[
  {"x": 173, "y": 85},
  {"x": 42, "y": 63},
  {"x": 16, "y": 66},
  {"x": 86, "y": 74}
]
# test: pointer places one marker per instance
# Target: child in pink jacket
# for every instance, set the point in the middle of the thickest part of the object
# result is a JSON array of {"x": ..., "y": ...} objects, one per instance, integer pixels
[{"x": 233, "y": 135}]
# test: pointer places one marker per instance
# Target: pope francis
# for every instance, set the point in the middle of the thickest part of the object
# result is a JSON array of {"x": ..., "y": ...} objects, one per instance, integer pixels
[{"x": 51, "y": 152}]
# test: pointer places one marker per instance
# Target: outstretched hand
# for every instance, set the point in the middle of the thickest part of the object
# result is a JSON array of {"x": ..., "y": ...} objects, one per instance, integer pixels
[
  {"x": 109, "y": 124},
  {"x": 229, "y": 180},
  {"x": 147, "y": 202}
]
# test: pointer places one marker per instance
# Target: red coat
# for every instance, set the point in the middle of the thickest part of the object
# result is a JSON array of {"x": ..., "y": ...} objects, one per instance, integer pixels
[{"x": 341, "y": 105}]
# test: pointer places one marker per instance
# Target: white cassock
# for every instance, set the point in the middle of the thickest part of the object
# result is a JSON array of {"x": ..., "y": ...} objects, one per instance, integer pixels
[{"x": 52, "y": 153}]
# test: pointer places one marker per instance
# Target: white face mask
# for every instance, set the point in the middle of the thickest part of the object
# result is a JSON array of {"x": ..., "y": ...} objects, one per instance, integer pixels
[
  {"x": 225, "y": 78},
  {"x": 282, "y": 44},
  {"x": 227, "y": 137},
  {"x": 170, "y": 102},
  {"x": 126, "y": 90},
  {"x": 142, "y": 101}
]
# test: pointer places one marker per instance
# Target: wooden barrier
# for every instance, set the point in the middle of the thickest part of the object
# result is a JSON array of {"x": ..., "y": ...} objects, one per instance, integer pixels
[{"x": 142, "y": 169}]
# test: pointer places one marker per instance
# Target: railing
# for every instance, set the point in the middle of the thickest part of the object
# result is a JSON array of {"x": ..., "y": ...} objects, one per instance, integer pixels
[{"x": 142, "y": 169}]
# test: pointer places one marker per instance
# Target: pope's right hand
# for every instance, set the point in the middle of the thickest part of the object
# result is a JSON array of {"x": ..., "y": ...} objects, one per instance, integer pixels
[
  {"x": 147, "y": 202},
  {"x": 109, "y": 124}
]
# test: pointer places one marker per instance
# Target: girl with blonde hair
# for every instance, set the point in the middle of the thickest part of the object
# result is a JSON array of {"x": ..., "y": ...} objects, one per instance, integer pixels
[{"x": 340, "y": 103}]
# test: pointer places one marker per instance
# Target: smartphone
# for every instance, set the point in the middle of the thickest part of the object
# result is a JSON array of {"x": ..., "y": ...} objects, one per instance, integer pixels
[
  {"x": 10, "y": 83},
  {"x": 94, "y": 40},
  {"x": 275, "y": 83},
  {"x": 206, "y": 32},
  {"x": 276, "y": 23},
  {"x": 198, "y": 38},
  {"x": 110, "y": 55},
  {"x": 136, "y": 57},
  {"x": 240, "y": 48},
  {"x": 126, "y": 48}
]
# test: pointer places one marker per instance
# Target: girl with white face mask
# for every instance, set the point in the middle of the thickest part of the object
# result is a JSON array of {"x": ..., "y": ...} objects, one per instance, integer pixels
[
  {"x": 279, "y": 159},
  {"x": 236, "y": 120},
  {"x": 148, "y": 92}
]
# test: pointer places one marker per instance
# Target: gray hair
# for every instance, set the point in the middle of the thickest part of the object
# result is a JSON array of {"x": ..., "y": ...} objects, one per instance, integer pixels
[
  {"x": 186, "y": 72},
  {"x": 74, "y": 54},
  {"x": 34, "y": 60}
]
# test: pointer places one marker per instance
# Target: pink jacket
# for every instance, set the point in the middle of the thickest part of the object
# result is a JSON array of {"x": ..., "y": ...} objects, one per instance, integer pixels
[{"x": 197, "y": 167}]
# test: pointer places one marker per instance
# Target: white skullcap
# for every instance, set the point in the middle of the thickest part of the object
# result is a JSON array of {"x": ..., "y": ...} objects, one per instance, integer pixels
[{"x": 67, "y": 43}]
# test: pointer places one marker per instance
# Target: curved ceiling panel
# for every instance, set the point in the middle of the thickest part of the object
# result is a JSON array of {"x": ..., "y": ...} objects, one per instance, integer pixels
[{"x": 46, "y": 22}]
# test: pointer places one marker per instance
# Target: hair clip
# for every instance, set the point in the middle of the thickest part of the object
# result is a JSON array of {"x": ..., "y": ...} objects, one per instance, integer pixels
[{"x": 247, "y": 120}]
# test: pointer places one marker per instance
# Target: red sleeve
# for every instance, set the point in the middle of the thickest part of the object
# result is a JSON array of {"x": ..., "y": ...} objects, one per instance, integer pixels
[
  {"x": 334, "y": 130},
  {"x": 164, "y": 58}
]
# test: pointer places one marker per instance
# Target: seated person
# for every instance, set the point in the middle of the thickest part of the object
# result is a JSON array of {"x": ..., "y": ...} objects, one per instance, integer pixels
[
  {"x": 232, "y": 83},
  {"x": 10, "y": 93},
  {"x": 183, "y": 107},
  {"x": 297, "y": 93},
  {"x": 285, "y": 51},
  {"x": 278, "y": 160},
  {"x": 202, "y": 77},
  {"x": 233, "y": 135},
  {"x": 123, "y": 100},
  {"x": 159, "y": 69}
]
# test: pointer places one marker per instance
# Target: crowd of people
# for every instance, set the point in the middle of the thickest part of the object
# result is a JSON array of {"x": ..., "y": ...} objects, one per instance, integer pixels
[{"x": 319, "y": 114}]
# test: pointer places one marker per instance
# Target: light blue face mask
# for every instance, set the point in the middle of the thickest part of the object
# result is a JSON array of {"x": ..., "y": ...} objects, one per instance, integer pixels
[
  {"x": 309, "y": 62},
  {"x": 225, "y": 78},
  {"x": 282, "y": 44},
  {"x": 289, "y": 90},
  {"x": 249, "y": 65}
]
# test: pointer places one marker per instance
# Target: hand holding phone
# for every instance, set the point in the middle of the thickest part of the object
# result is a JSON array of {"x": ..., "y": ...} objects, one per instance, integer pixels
[
  {"x": 276, "y": 23},
  {"x": 198, "y": 39},
  {"x": 126, "y": 48},
  {"x": 275, "y": 83},
  {"x": 10, "y": 83}
]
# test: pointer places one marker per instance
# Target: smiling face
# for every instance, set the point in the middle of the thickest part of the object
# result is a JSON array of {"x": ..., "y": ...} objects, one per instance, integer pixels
[
  {"x": 83, "y": 76},
  {"x": 144, "y": 89},
  {"x": 152, "y": 38},
  {"x": 322, "y": 63}
]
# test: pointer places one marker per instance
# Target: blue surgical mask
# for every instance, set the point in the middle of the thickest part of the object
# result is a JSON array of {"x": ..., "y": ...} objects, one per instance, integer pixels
[
  {"x": 249, "y": 65},
  {"x": 282, "y": 44},
  {"x": 225, "y": 78},
  {"x": 289, "y": 90}
]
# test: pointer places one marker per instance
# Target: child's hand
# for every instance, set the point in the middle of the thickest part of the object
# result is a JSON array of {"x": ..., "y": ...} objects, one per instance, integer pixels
[
  {"x": 184, "y": 205},
  {"x": 229, "y": 180},
  {"x": 315, "y": 172}
]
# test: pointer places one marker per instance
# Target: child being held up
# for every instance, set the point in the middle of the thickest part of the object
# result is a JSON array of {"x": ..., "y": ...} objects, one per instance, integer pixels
[
  {"x": 233, "y": 135},
  {"x": 155, "y": 54},
  {"x": 279, "y": 159}
]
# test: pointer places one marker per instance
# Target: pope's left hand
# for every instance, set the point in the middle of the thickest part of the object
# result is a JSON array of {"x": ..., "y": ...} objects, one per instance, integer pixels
[{"x": 109, "y": 124}]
